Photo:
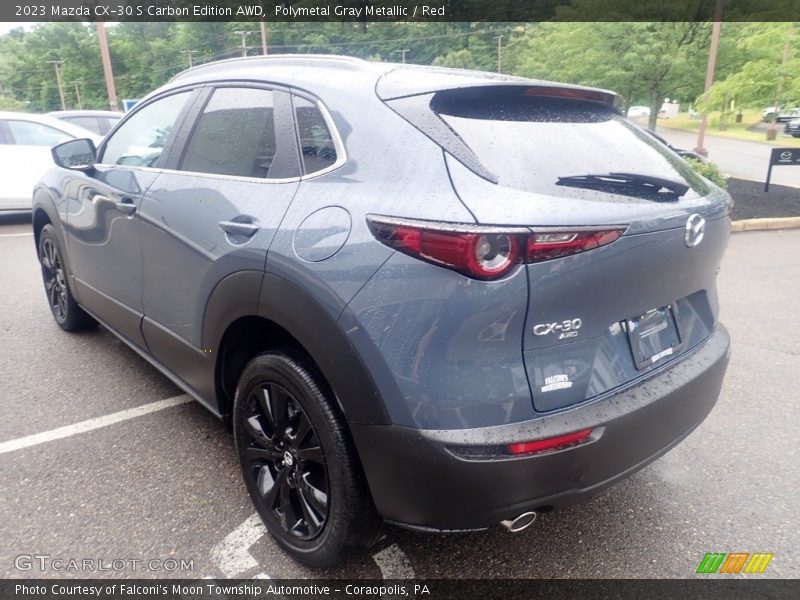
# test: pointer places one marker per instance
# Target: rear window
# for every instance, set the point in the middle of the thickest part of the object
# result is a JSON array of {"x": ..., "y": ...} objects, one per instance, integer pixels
[{"x": 549, "y": 145}]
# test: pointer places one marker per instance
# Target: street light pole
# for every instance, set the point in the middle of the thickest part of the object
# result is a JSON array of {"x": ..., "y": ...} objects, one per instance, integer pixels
[
  {"x": 57, "y": 64},
  {"x": 712, "y": 62}
]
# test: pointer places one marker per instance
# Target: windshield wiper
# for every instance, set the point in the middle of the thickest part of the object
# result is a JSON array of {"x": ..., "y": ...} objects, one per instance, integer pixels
[{"x": 630, "y": 184}]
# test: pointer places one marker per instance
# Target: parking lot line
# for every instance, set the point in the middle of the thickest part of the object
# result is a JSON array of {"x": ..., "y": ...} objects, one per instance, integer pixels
[
  {"x": 16, "y": 234},
  {"x": 91, "y": 424}
]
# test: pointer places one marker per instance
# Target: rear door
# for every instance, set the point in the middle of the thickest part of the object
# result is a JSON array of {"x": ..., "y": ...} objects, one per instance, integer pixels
[
  {"x": 213, "y": 213},
  {"x": 563, "y": 162}
]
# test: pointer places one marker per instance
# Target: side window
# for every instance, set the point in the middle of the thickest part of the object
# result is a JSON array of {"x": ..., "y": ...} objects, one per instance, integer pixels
[
  {"x": 235, "y": 135},
  {"x": 28, "y": 133},
  {"x": 5, "y": 140},
  {"x": 90, "y": 123},
  {"x": 141, "y": 140},
  {"x": 316, "y": 141}
]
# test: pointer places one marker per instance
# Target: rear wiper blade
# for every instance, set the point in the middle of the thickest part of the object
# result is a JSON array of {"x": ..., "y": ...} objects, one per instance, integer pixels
[{"x": 652, "y": 186}]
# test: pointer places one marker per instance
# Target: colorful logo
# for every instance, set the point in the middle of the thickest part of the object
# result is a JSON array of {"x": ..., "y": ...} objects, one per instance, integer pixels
[{"x": 734, "y": 562}]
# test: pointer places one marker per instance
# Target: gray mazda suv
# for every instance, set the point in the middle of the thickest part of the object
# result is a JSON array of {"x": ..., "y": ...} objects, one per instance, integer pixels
[{"x": 441, "y": 299}]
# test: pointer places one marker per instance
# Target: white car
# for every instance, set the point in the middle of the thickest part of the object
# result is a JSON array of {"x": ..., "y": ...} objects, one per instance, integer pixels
[
  {"x": 783, "y": 114},
  {"x": 639, "y": 111},
  {"x": 25, "y": 142}
]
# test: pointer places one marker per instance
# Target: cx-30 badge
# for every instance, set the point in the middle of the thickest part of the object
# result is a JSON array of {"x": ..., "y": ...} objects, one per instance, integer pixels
[
  {"x": 565, "y": 329},
  {"x": 695, "y": 230}
]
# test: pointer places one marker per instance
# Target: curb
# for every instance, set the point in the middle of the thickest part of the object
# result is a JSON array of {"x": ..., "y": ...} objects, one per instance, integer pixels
[{"x": 764, "y": 224}]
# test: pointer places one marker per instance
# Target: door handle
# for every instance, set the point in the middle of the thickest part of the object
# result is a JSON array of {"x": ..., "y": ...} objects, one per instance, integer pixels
[
  {"x": 126, "y": 206},
  {"x": 238, "y": 228}
]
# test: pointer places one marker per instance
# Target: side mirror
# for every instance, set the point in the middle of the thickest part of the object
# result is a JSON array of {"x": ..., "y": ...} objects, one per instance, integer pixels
[{"x": 78, "y": 155}]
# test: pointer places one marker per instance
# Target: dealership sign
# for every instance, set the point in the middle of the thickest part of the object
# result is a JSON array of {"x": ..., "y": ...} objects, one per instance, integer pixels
[{"x": 782, "y": 157}]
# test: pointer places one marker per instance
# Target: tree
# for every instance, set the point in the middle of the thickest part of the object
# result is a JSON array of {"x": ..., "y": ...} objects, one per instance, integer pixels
[
  {"x": 769, "y": 60},
  {"x": 643, "y": 62}
]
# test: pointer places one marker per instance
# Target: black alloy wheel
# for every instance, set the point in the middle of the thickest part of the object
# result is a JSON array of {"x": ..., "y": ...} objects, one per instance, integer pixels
[
  {"x": 55, "y": 283},
  {"x": 285, "y": 459},
  {"x": 68, "y": 315},
  {"x": 299, "y": 462}
]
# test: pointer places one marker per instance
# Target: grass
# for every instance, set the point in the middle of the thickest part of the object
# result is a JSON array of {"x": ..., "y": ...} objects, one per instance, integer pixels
[{"x": 733, "y": 130}]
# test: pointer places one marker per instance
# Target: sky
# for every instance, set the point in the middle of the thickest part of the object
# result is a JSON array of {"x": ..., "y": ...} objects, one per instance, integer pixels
[{"x": 6, "y": 27}]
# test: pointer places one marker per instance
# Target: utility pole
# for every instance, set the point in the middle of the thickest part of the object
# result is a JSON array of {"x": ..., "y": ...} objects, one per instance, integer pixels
[
  {"x": 77, "y": 85},
  {"x": 403, "y": 54},
  {"x": 499, "y": 53},
  {"x": 712, "y": 62},
  {"x": 772, "y": 132},
  {"x": 263, "y": 28},
  {"x": 57, "y": 64},
  {"x": 107, "y": 72},
  {"x": 189, "y": 56},
  {"x": 244, "y": 35}
]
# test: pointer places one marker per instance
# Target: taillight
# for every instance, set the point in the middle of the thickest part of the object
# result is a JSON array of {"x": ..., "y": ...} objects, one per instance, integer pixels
[
  {"x": 485, "y": 252},
  {"x": 548, "y": 443},
  {"x": 545, "y": 245}
]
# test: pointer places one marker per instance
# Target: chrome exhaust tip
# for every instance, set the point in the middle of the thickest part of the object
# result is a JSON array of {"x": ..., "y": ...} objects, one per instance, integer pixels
[{"x": 519, "y": 523}]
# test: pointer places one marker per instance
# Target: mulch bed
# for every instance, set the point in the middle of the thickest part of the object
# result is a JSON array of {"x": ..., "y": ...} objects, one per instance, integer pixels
[{"x": 753, "y": 203}]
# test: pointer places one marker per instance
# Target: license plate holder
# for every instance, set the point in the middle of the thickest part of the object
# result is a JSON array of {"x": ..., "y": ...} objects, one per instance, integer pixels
[{"x": 654, "y": 336}]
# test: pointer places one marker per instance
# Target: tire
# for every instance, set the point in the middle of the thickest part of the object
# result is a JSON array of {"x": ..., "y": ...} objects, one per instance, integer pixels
[
  {"x": 68, "y": 315},
  {"x": 298, "y": 462}
]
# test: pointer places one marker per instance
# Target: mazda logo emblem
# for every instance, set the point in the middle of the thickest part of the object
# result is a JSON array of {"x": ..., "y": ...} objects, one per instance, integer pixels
[
  {"x": 786, "y": 155},
  {"x": 695, "y": 230}
]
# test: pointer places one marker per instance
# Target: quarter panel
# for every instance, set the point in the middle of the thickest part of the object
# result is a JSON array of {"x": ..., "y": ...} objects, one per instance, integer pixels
[{"x": 449, "y": 348}]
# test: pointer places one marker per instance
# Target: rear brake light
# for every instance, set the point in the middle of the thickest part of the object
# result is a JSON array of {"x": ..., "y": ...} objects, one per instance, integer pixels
[
  {"x": 574, "y": 93},
  {"x": 549, "y": 443},
  {"x": 485, "y": 253}
]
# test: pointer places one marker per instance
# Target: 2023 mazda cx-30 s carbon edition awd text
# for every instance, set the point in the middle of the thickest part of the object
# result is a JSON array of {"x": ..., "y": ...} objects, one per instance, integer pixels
[{"x": 437, "y": 298}]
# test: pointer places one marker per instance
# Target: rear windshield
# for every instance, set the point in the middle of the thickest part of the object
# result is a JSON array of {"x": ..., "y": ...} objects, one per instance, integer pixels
[{"x": 550, "y": 145}]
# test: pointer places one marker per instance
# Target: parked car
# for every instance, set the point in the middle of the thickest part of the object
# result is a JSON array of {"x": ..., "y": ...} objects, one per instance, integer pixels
[
  {"x": 25, "y": 142},
  {"x": 792, "y": 128},
  {"x": 98, "y": 121},
  {"x": 638, "y": 111},
  {"x": 783, "y": 114},
  {"x": 443, "y": 299},
  {"x": 680, "y": 151}
]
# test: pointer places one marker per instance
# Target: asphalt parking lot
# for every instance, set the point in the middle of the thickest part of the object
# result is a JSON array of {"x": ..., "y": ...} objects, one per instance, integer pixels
[{"x": 165, "y": 484}]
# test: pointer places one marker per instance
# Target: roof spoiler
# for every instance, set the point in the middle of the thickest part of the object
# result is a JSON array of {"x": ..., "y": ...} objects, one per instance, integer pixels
[{"x": 404, "y": 82}]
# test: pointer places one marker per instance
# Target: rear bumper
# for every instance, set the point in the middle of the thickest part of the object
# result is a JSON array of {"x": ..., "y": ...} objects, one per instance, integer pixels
[{"x": 422, "y": 478}]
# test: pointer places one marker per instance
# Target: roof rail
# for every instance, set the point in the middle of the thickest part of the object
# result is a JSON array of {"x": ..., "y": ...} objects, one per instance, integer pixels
[{"x": 278, "y": 59}]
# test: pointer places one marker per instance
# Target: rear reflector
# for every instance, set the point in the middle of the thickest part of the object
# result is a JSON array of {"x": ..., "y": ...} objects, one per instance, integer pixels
[
  {"x": 482, "y": 252},
  {"x": 549, "y": 443}
]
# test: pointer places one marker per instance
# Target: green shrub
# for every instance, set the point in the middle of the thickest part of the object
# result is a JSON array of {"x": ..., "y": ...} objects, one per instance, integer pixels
[{"x": 710, "y": 171}]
